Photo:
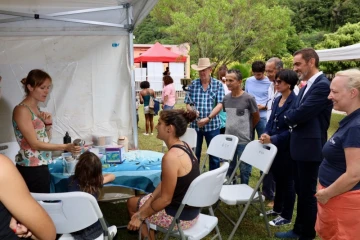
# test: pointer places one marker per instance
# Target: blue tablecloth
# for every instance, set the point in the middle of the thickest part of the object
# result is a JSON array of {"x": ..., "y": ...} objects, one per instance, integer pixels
[{"x": 141, "y": 170}]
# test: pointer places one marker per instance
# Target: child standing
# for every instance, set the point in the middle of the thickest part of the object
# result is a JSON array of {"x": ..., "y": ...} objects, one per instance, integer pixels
[{"x": 88, "y": 178}]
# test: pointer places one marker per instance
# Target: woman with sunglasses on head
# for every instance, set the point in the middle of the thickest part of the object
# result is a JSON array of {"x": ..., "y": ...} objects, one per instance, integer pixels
[{"x": 277, "y": 133}]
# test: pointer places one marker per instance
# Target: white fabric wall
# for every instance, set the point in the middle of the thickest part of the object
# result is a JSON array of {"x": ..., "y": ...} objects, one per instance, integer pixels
[
  {"x": 155, "y": 75},
  {"x": 177, "y": 72},
  {"x": 91, "y": 83}
]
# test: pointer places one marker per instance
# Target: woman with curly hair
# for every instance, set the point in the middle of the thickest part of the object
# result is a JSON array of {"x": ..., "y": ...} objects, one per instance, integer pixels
[{"x": 179, "y": 168}]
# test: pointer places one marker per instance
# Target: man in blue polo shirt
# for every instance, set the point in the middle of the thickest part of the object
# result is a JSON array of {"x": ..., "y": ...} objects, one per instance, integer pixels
[{"x": 205, "y": 95}]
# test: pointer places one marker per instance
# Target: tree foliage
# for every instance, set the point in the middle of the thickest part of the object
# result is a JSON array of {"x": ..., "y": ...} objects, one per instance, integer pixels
[
  {"x": 226, "y": 30},
  {"x": 344, "y": 36},
  {"x": 328, "y": 15}
]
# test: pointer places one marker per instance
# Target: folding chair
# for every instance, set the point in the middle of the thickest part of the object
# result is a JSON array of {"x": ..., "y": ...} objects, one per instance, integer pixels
[
  {"x": 222, "y": 146},
  {"x": 73, "y": 211},
  {"x": 190, "y": 137},
  {"x": 260, "y": 156},
  {"x": 203, "y": 192}
]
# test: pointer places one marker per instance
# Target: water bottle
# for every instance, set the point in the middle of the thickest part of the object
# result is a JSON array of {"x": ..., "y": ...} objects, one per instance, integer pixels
[{"x": 67, "y": 139}]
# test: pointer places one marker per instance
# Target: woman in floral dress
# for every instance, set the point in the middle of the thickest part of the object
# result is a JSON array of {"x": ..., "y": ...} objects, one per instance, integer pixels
[{"x": 32, "y": 129}]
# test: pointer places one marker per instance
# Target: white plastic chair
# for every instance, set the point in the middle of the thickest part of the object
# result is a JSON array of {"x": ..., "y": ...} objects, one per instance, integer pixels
[
  {"x": 222, "y": 146},
  {"x": 203, "y": 192},
  {"x": 73, "y": 211},
  {"x": 10, "y": 149},
  {"x": 190, "y": 137},
  {"x": 259, "y": 156}
]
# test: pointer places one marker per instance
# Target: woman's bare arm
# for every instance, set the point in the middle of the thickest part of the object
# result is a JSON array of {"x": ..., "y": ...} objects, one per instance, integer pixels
[
  {"x": 108, "y": 177},
  {"x": 16, "y": 197},
  {"x": 22, "y": 117}
]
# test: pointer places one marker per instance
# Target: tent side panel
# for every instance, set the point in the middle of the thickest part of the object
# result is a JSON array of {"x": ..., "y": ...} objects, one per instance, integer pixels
[{"x": 91, "y": 83}]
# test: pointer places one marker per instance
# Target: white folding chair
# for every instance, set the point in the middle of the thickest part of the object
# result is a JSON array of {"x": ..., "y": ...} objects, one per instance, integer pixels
[
  {"x": 73, "y": 211},
  {"x": 203, "y": 192},
  {"x": 190, "y": 137},
  {"x": 222, "y": 146},
  {"x": 259, "y": 156}
]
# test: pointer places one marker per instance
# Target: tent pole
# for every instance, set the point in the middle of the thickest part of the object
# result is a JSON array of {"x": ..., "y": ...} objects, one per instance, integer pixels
[{"x": 132, "y": 78}]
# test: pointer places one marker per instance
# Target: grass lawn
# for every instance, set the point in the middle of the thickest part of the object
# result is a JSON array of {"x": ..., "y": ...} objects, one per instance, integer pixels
[{"x": 252, "y": 226}]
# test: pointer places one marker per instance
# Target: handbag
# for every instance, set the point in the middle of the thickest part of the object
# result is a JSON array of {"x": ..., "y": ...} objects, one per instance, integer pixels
[{"x": 151, "y": 102}]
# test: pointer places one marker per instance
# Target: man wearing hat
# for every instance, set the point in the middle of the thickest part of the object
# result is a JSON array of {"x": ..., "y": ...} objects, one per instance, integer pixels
[{"x": 205, "y": 95}]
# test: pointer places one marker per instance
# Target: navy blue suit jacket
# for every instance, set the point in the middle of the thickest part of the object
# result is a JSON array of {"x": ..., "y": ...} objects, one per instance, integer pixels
[
  {"x": 309, "y": 119},
  {"x": 278, "y": 130}
]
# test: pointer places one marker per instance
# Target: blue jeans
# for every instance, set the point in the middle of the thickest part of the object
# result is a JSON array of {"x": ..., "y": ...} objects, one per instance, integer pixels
[
  {"x": 245, "y": 169},
  {"x": 268, "y": 188},
  {"x": 214, "y": 162},
  {"x": 167, "y": 107}
]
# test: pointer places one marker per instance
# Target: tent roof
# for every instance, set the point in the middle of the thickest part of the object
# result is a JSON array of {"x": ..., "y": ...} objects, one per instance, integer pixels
[
  {"x": 69, "y": 17},
  {"x": 158, "y": 53},
  {"x": 351, "y": 52}
]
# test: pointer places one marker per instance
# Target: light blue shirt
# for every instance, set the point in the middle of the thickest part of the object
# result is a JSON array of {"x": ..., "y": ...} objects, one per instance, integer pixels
[{"x": 258, "y": 89}]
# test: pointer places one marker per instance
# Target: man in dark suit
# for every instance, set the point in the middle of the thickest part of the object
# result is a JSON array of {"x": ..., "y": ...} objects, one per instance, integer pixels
[{"x": 308, "y": 121}]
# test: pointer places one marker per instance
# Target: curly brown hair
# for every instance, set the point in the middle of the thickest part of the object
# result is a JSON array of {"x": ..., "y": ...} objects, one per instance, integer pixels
[
  {"x": 88, "y": 173},
  {"x": 167, "y": 80},
  {"x": 179, "y": 118}
]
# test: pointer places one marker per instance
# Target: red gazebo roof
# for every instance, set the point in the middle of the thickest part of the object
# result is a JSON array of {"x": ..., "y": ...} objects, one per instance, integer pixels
[{"x": 158, "y": 53}]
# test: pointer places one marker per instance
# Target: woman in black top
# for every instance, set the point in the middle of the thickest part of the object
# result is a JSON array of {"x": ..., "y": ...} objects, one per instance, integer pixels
[
  {"x": 18, "y": 206},
  {"x": 179, "y": 168}
]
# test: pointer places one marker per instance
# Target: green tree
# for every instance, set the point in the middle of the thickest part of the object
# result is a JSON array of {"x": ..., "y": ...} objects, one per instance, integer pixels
[
  {"x": 149, "y": 31},
  {"x": 344, "y": 36},
  {"x": 226, "y": 30},
  {"x": 322, "y": 15}
]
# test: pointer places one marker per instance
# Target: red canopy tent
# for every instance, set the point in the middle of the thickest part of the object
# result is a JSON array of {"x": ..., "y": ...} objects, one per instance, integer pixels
[{"x": 158, "y": 53}]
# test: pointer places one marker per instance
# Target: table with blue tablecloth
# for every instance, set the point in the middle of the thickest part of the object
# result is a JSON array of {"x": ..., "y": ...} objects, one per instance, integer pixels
[{"x": 141, "y": 170}]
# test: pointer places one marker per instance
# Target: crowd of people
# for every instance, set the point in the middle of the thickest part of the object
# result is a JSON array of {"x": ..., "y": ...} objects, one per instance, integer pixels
[{"x": 323, "y": 174}]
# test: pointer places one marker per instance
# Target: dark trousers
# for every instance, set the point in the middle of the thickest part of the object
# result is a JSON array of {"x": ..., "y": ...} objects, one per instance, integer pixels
[
  {"x": 37, "y": 178},
  {"x": 285, "y": 191},
  {"x": 305, "y": 177},
  {"x": 214, "y": 162}
]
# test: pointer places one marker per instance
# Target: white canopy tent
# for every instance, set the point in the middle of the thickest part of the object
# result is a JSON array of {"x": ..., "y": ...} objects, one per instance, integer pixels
[
  {"x": 347, "y": 53},
  {"x": 87, "y": 48}
]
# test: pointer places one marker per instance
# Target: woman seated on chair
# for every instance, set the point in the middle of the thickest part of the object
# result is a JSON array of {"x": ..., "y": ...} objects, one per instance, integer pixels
[
  {"x": 179, "y": 168},
  {"x": 18, "y": 206}
]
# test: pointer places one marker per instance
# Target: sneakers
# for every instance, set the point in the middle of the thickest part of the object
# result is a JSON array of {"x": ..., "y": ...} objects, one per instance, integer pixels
[
  {"x": 279, "y": 221},
  {"x": 289, "y": 234},
  {"x": 146, "y": 134},
  {"x": 270, "y": 213}
]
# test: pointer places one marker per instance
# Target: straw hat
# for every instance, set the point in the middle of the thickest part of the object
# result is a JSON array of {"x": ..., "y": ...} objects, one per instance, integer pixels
[{"x": 203, "y": 63}]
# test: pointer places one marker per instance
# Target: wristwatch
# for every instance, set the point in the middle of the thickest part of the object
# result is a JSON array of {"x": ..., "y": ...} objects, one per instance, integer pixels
[{"x": 209, "y": 117}]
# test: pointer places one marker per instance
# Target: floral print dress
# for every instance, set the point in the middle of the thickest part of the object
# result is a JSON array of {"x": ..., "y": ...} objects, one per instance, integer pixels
[{"x": 28, "y": 156}]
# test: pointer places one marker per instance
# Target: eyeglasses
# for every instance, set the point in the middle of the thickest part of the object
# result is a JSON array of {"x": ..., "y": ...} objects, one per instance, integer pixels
[{"x": 278, "y": 82}]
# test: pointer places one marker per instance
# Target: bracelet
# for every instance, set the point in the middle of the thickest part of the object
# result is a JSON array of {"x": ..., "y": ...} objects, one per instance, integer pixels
[
  {"x": 48, "y": 124},
  {"x": 141, "y": 219}
]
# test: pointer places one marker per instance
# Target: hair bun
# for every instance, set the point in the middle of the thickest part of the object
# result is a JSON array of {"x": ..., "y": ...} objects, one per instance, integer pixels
[
  {"x": 190, "y": 116},
  {"x": 23, "y": 81}
]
